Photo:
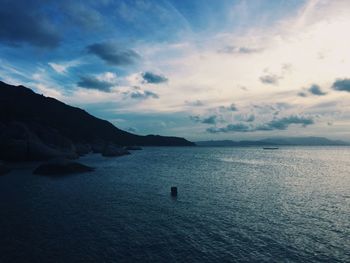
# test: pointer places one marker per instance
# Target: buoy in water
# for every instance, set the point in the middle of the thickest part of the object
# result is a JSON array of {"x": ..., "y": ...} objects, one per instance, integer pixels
[{"x": 173, "y": 191}]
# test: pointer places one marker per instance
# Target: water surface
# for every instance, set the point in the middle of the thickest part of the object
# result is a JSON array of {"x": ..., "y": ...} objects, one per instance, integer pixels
[{"x": 234, "y": 204}]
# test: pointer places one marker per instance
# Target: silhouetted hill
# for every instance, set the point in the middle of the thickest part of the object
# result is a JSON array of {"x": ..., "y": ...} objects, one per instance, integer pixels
[
  {"x": 291, "y": 141},
  {"x": 54, "y": 122}
]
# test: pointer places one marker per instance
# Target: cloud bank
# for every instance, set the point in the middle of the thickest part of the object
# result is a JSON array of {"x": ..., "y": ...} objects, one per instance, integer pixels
[
  {"x": 275, "y": 124},
  {"x": 22, "y": 22},
  {"x": 114, "y": 55},
  {"x": 316, "y": 90},
  {"x": 139, "y": 94},
  {"x": 342, "y": 85},
  {"x": 153, "y": 78},
  {"x": 103, "y": 82}
]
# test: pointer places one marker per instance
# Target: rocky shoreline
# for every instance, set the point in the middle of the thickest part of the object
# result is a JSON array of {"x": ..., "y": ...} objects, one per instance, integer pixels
[
  {"x": 20, "y": 142},
  {"x": 38, "y": 128}
]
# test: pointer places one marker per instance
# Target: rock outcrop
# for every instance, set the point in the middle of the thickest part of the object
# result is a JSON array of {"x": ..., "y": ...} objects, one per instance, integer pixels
[
  {"x": 111, "y": 150},
  {"x": 19, "y": 142}
]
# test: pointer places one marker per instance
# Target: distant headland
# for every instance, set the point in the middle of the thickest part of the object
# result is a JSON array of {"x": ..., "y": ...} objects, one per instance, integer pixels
[
  {"x": 278, "y": 141},
  {"x": 35, "y": 127}
]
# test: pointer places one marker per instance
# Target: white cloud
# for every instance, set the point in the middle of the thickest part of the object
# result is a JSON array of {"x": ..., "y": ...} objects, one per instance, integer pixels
[
  {"x": 309, "y": 47},
  {"x": 48, "y": 91},
  {"x": 110, "y": 77},
  {"x": 200, "y": 72},
  {"x": 62, "y": 68},
  {"x": 290, "y": 49}
]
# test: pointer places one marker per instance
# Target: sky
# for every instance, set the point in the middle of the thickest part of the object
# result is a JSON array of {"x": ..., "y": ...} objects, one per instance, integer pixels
[{"x": 199, "y": 69}]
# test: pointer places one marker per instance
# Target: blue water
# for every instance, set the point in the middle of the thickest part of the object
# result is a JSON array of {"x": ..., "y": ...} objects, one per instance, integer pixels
[{"x": 234, "y": 204}]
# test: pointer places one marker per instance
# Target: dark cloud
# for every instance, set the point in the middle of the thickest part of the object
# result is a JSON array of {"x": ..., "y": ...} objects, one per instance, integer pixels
[
  {"x": 25, "y": 22},
  {"x": 238, "y": 127},
  {"x": 142, "y": 95},
  {"x": 210, "y": 120},
  {"x": 238, "y": 50},
  {"x": 89, "y": 82},
  {"x": 195, "y": 103},
  {"x": 153, "y": 78},
  {"x": 276, "y": 124},
  {"x": 285, "y": 122},
  {"x": 232, "y": 107},
  {"x": 342, "y": 85},
  {"x": 270, "y": 79},
  {"x": 113, "y": 54},
  {"x": 207, "y": 120},
  {"x": 316, "y": 90}
]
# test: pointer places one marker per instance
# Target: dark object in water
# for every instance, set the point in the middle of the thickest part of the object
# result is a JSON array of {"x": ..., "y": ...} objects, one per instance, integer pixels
[
  {"x": 173, "y": 191},
  {"x": 61, "y": 166},
  {"x": 270, "y": 148}
]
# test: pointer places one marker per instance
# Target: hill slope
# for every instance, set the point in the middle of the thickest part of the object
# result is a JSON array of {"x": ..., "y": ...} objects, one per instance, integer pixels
[{"x": 40, "y": 116}]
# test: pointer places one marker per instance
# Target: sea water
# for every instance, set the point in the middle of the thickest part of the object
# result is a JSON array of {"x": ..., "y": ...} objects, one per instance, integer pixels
[{"x": 233, "y": 205}]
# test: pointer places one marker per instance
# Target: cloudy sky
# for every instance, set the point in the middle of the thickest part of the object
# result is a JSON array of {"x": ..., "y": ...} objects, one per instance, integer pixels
[{"x": 201, "y": 69}]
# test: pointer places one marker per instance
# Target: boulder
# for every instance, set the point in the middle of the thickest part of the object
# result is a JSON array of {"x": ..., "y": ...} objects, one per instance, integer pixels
[
  {"x": 111, "y": 150},
  {"x": 61, "y": 166}
]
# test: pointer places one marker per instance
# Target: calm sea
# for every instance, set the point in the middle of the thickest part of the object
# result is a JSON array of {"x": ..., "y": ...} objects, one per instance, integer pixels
[{"x": 233, "y": 205}]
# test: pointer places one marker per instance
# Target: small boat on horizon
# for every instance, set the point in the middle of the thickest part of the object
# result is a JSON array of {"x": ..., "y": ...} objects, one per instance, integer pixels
[{"x": 270, "y": 148}]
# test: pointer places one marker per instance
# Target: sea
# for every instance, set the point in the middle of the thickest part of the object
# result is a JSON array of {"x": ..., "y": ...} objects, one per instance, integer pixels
[{"x": 233, "y": 205}]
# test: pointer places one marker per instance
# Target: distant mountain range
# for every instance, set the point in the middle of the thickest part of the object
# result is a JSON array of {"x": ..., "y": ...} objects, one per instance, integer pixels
[
  {"x": 278, "y": 141},
  {"x": 33, "y": 126}
]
